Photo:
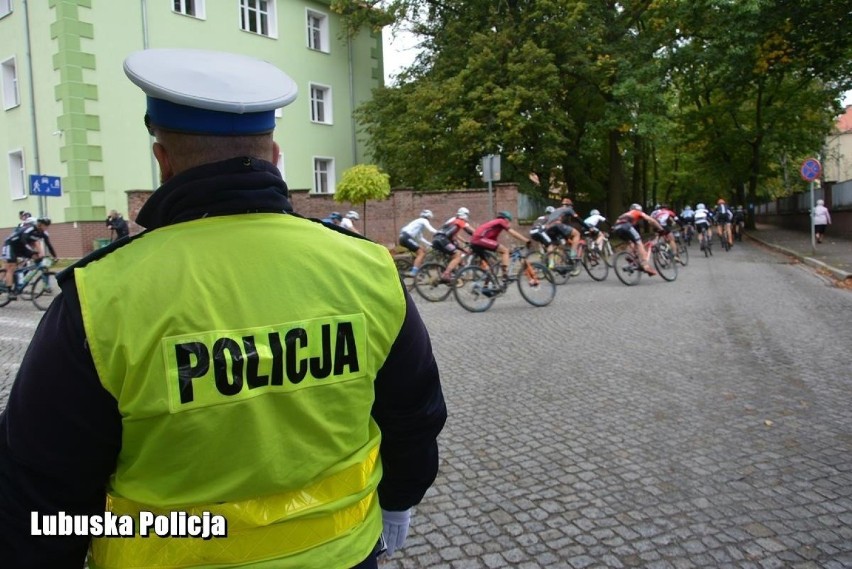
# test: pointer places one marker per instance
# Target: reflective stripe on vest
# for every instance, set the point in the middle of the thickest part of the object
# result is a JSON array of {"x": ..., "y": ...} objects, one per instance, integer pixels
[
  {"x": 258, "y": 529},
  {"x": 243, "y": 374}
]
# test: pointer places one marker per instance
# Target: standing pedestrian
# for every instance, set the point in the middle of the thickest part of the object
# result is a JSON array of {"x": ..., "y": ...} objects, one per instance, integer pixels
[
  {"x": 822, "y": 218},
  {"x": 117, "y": 225},
  {"x": 217, "y": 368}
]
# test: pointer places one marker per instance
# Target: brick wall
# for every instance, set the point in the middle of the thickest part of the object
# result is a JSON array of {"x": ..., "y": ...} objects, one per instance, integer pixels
[{"x": 380, "y": 220}]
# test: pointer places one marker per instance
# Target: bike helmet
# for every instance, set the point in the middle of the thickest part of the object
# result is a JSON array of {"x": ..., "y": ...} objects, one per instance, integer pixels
[
  {"x": 427, "y": 213},
  {"x": 463, "y": 212},
  {"x": 594, "y": 212},
  {"x": 549, "y": 209},
  {"x": 505, "y": 215},
  {"x": 43, "y": 220},
  {"x": 687, "y": 207},
  {"x": 335, "y": 216},
  {"x": 700, "y": 206},
  {"x": 353, "y": 215},
  {"x": 636, "y": 206}
]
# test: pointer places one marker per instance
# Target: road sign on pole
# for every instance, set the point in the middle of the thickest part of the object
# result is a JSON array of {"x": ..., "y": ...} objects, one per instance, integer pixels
[
  {"x": 41, "y": 185},
  {"x": 811, "y": 169},
  {"x": 491, "y": 173}
]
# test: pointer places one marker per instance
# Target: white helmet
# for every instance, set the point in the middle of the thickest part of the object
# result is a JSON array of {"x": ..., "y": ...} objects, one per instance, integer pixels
[
  {"x": 353, "y": 215},
  {"x": 636, "y": 206},
  {"x": 594, "y": 212},
  {"x": 700, "y": 206},
  {"x": 463, "y": 212},
  {"x": 427, "y": 213},
  {"x": 549, "y": 209}
]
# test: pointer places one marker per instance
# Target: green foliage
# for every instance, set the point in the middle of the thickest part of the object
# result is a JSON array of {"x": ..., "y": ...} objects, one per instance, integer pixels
[
  {"x": 637, "y": 99},
  {"x": 362, "y": 182}
]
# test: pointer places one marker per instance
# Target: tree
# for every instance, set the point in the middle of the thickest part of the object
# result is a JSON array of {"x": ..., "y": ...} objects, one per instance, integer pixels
[{"x": 361, "y": 183}]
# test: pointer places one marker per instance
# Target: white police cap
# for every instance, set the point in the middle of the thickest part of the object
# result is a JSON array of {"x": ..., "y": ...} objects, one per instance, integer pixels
[{"x": 209, "y": 92}]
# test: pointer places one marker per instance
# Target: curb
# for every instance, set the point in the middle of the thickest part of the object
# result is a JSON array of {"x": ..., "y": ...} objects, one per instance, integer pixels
[{"x": 837, "y": 273}]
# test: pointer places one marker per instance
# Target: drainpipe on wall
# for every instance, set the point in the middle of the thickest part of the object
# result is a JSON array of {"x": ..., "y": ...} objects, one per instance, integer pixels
[
  {"x": 155, "y": 169},
  {"x": 352, "y": 101},
  {"x": 42, "y": 201}
]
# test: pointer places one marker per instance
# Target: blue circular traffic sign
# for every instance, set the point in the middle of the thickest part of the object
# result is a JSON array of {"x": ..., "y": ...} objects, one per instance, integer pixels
[{"x": 811, "y": 169}]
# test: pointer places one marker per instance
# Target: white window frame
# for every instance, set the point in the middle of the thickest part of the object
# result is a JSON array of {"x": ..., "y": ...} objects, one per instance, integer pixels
[
  {"x": 11, "y": 94},
  {"x": 191, "y": 8},
  {"x": 321, "y": 103},
  {"x": 254, "y": 13},
  {"x": 317, "y": 30},
  {"x": 17, "y": 174},
  {"x": 5, "y": 8},
  {"x": 324, "y": 179}
]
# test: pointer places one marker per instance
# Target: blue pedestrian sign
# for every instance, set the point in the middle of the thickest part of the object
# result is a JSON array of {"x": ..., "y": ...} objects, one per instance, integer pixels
[
  {"x": 45, "y": 185},
  {"x": 811, "y": 169}
]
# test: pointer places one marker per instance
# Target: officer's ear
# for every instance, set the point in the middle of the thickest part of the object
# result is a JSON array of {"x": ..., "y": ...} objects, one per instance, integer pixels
[{"x": 162, "y": 156}]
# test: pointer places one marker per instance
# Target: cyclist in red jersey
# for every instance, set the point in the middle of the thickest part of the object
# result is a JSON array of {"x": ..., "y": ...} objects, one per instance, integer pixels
[
  {"x": 486, "y": 236},
  {"x": 625, "y": 227}
]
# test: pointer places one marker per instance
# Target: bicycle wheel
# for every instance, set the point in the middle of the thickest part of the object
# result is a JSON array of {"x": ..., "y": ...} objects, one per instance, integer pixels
[
  {"x": 683, "y": 252},
  {"x": 4, "y": 290},
  {"x": 595, "y": 264},
  {"x": 428, "y": 282},
  {"x": 403, "y": 266},
  {"x": 535, "y": 282},
  {"x": 475, "y": 289},
  {"x": 664, "y": 262},
  {"x": 607, "y": 253},
  {"x": 43, "y": 290},
  {"x": 558, "y": 266},
  {"x": 626, "y": 268}
]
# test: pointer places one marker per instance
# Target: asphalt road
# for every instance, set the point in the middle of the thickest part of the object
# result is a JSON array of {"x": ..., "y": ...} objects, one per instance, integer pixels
[{"x": 699, "y": 423}]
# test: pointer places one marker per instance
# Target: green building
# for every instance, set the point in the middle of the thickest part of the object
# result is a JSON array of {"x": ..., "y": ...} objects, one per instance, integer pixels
[{"x": 69, "y": 112}]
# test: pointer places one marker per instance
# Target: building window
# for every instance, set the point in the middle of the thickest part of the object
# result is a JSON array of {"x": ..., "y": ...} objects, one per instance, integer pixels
[
  {"x": 323, "y": 176},
  {"x": 17, "y": 185},
  {"x": 10, "y": 83},
  {"x": 320, "y": 104},
  {"x": 194, "y": 8},
  {"x": 258, "y": 16},
  {"x": 318, "y": 31}
]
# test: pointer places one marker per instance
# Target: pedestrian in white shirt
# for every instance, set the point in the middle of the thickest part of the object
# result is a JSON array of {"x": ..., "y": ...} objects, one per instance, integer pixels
[{"x": 822, "y": 218}]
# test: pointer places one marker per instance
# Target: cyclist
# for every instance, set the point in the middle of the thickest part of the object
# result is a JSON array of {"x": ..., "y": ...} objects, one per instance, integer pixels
[
  {"x": 723, "y": 215},
  {"x": 687, "y": 221},
  {"x": 595, "y": 218},
  {"x": 625, "y": 227},
  {"x": 703, "y": 217},
  {"x": 485, "y": 237},
  {"x": 27, "y": 241},
  {"x": 537, "y": 231},
  {"x": 346, "y": 222},
  {"x": 739, "y": 222},
  {"x": 411, "y": 237},
  {"x": 559, "y": 228},
  {"x": 333, "y": 218},
  {"x": 667, "y": 218},
  {"x": 445, "y": 242}
]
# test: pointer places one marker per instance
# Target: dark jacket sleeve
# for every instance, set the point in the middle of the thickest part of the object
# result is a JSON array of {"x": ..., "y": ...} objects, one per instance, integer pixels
[
  {"x": 59, "y": 438},
  {"x": 410, "y": 411}
]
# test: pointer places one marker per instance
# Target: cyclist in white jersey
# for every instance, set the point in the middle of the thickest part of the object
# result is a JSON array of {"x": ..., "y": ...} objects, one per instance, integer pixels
[{"x": 411, "y": 237}]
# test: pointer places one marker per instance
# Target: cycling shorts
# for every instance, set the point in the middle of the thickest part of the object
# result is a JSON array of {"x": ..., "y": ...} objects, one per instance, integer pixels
[
  {"x": 702, "y": 226},
  {"x": 488, "y": 244},
  {"x": 14, "y": 251},
  {"x": 559, "y": 231},
  {"x": 627, "y": 232},
  {"x": 444, "y": 244},
  {"x": 409, "y": 242},
  {"x": 541, "y": 236}
]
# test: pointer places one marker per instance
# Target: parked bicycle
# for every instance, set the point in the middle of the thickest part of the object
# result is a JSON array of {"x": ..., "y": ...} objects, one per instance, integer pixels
[
  {"x": 477, "y": 285},
  {"x": 33, "y": 281}
]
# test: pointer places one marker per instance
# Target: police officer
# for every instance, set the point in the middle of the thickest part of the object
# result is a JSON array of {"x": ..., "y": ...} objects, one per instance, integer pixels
[{"x": 182, "y": 372}]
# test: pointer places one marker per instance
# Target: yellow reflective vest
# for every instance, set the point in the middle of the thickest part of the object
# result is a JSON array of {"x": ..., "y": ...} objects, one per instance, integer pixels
[{"x": 241, "y": 351}]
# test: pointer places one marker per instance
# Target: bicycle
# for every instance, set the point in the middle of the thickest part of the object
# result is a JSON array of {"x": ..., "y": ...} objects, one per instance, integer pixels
[
  {"x": 628, "y": 266},
  {"x": 682, "y": 249},
  {"x": 724, "y": 236},
  {"x": 405, "y": 262},
  {"x": 429, "y": 281},
  {"x": 705, "y": 240},
  {"x": 476, "y": 286},
  {"x": 592, "y": 258},
  {"x": 33, "y": 281}
]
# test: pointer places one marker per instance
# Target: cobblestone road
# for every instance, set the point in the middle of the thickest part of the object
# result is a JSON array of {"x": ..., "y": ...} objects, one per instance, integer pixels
[{"x": 700, "y": 423}]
